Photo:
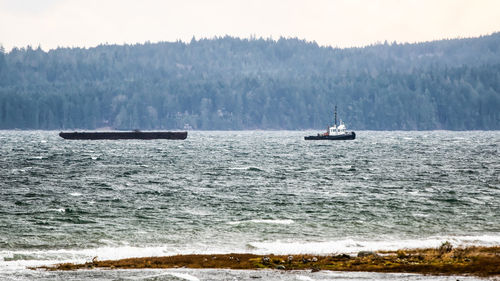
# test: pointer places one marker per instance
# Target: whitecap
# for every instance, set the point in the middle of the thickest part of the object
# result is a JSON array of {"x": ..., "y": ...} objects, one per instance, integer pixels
[
  {"x": 352, "y": 246},
  {"x": 185, "y": 276},
  {"x": 265, "y": 221},
  {"x": 33, "y": 258},
  {"x": 248, "y": 168},
  {"x": 304, "y": 278},
  {"x": 420, "y": 215}
]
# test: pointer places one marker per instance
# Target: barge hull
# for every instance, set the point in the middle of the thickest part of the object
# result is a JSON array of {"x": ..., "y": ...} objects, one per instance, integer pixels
[{"x": 123, "y": 135}]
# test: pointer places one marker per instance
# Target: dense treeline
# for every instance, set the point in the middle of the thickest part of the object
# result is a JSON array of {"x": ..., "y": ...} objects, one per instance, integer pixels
[{"x": 232, "y": 83}]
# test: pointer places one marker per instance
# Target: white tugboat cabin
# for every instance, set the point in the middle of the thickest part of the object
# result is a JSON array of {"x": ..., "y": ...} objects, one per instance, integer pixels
[{"x": 338, "y": 130}]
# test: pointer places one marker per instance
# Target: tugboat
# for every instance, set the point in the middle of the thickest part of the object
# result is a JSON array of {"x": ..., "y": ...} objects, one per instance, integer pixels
[{"x": 335, "y": 132}]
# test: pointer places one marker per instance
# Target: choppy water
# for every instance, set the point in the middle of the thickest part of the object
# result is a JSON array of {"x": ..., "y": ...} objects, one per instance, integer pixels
[{"x": 255, "y": 191}]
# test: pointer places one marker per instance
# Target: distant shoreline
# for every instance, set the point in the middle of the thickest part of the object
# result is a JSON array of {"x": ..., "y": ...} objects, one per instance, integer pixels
[{"x": 445, "y": 260}]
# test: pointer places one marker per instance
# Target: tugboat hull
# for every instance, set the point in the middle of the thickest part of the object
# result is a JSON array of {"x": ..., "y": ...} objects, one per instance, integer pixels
[
  {"x": 348, "y": 136},
  {"x": 123, "y": 135}
]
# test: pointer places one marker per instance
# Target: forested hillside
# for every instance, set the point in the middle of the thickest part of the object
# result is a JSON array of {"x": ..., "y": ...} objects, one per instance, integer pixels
[{"x": 231, "y": 83}]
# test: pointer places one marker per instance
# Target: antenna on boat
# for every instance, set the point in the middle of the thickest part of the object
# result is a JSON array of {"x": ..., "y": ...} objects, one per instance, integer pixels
[{"x": 335, "y": 116}]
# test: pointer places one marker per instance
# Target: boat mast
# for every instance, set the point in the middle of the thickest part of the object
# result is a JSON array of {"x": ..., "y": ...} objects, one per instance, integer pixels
[{"x": 335, "y": 116}]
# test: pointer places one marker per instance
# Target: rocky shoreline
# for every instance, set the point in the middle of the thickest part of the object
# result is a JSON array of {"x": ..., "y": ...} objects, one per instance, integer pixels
[{"x": 445, "y": 260}]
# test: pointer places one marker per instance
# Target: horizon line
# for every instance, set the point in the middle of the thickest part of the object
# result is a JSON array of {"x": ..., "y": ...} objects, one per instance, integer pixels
[{"x": 249, "y": 38}]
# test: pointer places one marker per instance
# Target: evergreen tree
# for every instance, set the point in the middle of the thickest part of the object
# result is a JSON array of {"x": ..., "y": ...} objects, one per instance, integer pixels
[{"x": 231, "y": 83}]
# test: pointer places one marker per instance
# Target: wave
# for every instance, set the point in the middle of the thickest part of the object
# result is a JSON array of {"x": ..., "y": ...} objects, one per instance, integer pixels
[
  {"x": 265, "y": 221},
  {"x": 250, "y": 168},
  {"x": 11, "y": 260},
  {"x": 26, "y": 258},
  {"x": 351, "y": 246},
  {"x": 177, "y": 275},
  {"x": 185, "y": 276}
]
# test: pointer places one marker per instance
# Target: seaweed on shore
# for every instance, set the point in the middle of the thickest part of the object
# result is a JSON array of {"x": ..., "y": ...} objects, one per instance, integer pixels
[{"x": 445, "y": 260}]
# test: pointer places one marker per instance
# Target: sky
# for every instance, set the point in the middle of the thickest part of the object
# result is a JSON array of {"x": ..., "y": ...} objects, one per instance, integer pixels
[{"x": 337, "y": 23}]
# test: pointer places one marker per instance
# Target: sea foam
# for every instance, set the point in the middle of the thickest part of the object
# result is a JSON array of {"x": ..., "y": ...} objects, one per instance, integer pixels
[{"x": 352, "y": 246}]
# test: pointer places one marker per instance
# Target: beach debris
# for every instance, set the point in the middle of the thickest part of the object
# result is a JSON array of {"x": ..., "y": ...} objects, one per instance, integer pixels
[
  {"x": 445, "y": 247},
  {"x": 342, "y": 256},
  {"x": 266, "y": 260},
  {"x": 281, "y": 267},
  {"x": 362, "y": 254},
  {"x": 401, "y": 254}
]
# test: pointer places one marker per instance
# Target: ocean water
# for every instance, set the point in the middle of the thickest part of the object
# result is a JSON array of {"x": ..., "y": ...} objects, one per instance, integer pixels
[{"x": 241, "y": 191}]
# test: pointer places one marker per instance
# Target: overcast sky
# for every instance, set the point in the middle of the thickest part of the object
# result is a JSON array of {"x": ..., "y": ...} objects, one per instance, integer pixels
[{"x": 338, "y": 23}]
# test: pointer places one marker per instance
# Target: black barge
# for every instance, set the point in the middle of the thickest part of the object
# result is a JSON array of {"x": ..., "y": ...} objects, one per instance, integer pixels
[{"x": 125, "y": 135}]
